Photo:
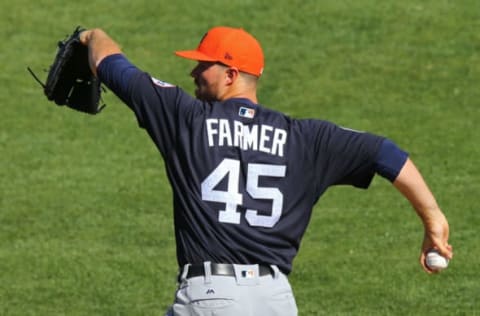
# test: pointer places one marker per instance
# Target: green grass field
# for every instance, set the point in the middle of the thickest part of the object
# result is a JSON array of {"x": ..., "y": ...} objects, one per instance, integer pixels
[{"x": 85, "y": 206}]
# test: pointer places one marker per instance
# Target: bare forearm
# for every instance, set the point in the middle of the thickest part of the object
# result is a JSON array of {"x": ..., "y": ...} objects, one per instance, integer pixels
[
  {"x": 100, "y": 45},
  {"x": 412, "y": 185}
]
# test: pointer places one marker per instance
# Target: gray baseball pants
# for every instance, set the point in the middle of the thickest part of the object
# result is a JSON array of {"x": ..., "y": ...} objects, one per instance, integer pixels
[{"x": 246, "y": 293}]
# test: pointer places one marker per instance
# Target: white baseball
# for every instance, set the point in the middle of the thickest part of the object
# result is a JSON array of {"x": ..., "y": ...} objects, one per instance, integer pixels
[{"x": 436, "y": 261}]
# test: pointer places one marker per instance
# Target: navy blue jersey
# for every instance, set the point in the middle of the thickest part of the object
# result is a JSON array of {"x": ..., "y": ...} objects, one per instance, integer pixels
[{"x": 244, "y": 178}]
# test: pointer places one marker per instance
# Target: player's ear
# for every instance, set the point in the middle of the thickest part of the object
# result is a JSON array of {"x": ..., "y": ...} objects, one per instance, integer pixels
[{"x": 231, "y": 74}]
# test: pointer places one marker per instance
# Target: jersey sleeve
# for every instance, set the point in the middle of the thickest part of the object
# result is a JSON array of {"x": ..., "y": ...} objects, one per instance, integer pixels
[
  {"x": 341, "y": 155},
  {"x": 390, "y": 160},
  {"x": 159, "y": 106}
]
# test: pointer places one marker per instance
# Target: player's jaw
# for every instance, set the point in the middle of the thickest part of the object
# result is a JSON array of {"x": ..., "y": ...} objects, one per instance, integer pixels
[
  {"x": 202, "y": 90},
  {"x": 206, "y": 79}
]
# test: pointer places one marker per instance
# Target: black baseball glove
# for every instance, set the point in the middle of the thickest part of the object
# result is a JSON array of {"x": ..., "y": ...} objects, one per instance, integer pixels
[{"x": 70, "y": 81}]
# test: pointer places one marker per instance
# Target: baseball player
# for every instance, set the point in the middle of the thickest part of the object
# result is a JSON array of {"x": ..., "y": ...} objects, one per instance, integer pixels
[{"x": 244, "y": 177}]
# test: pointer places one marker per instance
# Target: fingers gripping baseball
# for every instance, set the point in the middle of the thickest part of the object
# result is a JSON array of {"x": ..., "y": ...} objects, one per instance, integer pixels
[{"x": 436, "y": 238}]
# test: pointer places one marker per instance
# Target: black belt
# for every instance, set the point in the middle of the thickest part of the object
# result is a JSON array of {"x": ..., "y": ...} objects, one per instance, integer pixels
[{"x": 223, "y": 269}]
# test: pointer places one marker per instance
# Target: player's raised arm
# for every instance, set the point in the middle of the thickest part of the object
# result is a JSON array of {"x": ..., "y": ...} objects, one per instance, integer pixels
[
  {"x": 412, "y": 185},
  {"x": 100, "y": 45}
]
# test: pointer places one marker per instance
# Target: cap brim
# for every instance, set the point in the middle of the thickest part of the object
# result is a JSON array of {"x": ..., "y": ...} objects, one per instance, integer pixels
[{"x": 194, "y": 55}]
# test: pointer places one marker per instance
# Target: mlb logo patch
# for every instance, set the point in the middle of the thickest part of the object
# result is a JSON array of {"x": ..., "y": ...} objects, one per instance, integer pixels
[
  {"x": 248, "y": 274},
  {"x": 246, "y": 112}
]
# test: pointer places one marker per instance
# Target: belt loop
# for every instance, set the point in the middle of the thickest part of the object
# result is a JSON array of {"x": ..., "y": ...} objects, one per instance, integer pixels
[
  {"x": 276, "y": 271},
  {"x": 184, "y": 272},
  {"x": 207, "y": 269}
]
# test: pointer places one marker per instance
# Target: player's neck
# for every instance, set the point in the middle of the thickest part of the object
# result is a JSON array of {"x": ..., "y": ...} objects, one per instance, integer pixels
[
  {"x": 250, "y": 96},
  {"x": 240, "y": 90}
]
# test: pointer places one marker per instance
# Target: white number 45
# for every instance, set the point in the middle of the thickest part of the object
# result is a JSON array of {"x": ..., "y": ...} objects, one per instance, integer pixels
[{"x": 232, "y": 198}]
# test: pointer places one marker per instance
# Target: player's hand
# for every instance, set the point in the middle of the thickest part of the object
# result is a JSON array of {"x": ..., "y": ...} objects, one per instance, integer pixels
[
  {"x": 436, "y": 237},
  {"x": 100, "y": 45},
  {"x": 84, "y": 37}
]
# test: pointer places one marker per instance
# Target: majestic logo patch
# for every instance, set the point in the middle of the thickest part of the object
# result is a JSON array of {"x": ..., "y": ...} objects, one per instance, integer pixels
[
  {"x": 210, "y": 291},
  {"x": 246, "y": 112},
  {"x": 161, "y": 83}
]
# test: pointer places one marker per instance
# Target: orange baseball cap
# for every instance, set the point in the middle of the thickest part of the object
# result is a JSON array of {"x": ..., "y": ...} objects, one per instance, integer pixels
[{"x": 230, "y": 46}]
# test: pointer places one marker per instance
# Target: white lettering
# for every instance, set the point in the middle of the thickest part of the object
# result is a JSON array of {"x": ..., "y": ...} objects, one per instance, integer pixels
[
  {"x": 250, "y": 137},
  {"x": 224, "y": 133},
  {"x": 264, "y": 138},
  {"x": 279, "y": 140},
  {"x": 211, "y": 131},
  {"x": 265, "y": 131},
  {"x": 237, "y": 133}
]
